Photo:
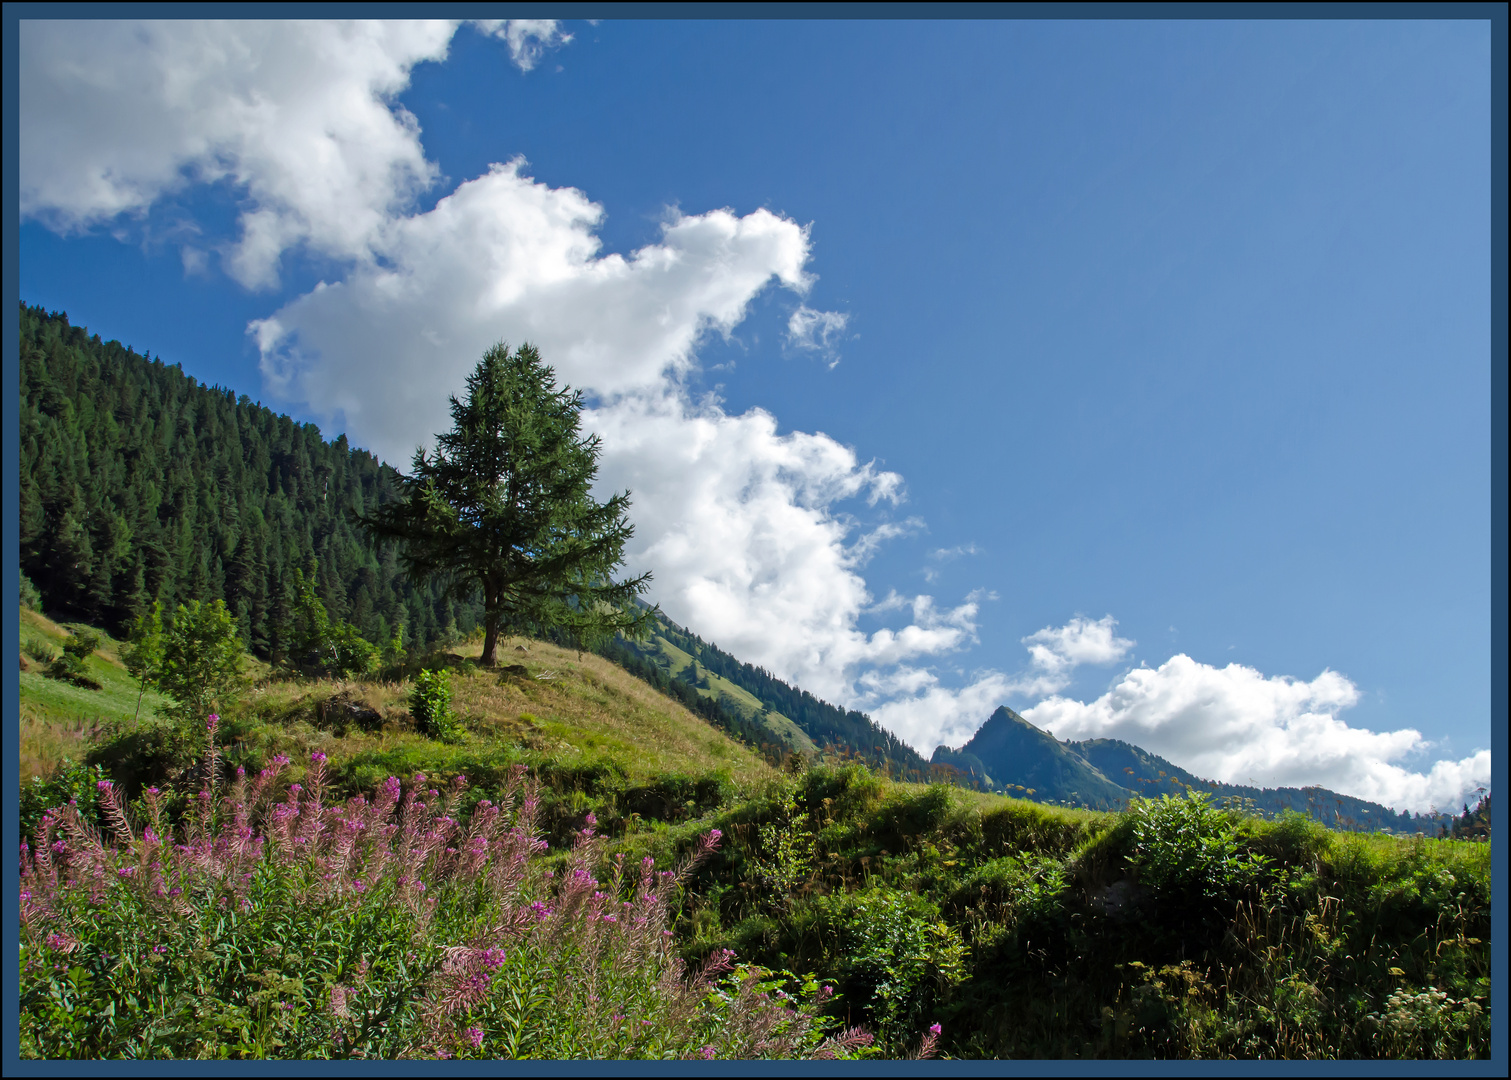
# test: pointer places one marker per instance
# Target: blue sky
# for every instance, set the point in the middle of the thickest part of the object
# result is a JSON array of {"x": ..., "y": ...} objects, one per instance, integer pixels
[{"x": 1133, "y": 374}]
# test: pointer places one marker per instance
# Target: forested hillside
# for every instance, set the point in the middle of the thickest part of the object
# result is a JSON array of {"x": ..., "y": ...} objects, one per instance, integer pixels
[
  {"x": 138, "y": 483},
  {"x": 762, "y": 697}
]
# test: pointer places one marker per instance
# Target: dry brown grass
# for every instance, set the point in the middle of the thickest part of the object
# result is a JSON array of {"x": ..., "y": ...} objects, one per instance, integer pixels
[{"x": 585, "y": 705}]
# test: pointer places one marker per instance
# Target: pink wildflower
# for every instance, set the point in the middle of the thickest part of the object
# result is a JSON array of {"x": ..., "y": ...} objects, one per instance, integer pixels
[{"x": 475, "y": 1036}]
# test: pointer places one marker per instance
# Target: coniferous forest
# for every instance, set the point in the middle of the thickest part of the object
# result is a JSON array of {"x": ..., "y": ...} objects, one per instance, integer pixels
[{"x": 138, "y": 483}]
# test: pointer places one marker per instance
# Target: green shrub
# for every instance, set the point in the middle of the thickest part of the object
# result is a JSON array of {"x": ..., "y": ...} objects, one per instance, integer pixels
[
  {"x": 1184, "y": 847},
  {"x": 202, "y": 661},
  {"x": 31, "y": 599},
  {"x": 71, "y": 782},
  {"x": 892, "y": 952},
  {"x": 69, "y": 667},
  {"x": 375, "y": 929},
  {"x": 430, "y": 705}
]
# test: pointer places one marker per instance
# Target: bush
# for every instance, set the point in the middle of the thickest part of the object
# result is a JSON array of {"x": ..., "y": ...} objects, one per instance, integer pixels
[
  {"x": 31, "y": 599},
  {"x": 892, "y": 952},
  {"x": 202, "y": 662},
  {"x": 374, "y": 929},
  {"x": 71, "y": 782},
  {"x": 430, "y": 705},
  {"x": 69, "y": 667},
  {"x": 1185, "y": 847}
]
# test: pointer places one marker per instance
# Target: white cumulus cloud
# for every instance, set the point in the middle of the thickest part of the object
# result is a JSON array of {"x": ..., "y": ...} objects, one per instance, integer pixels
[
  {"x": 1236, "y": 725},
  {"x": 751, "y": 532},
  {"x": 1055, "y": 651},
  {"x": 299, "y": 116}
]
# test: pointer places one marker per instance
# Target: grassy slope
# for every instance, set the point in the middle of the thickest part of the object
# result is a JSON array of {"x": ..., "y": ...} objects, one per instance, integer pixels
[
  {"x": 57, "y": 718},
  {"x": 575, "y": 713},
  {"x": 745, "y": 702}
]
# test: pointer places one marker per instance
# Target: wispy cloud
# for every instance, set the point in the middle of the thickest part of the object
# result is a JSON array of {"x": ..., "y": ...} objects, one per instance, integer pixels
[
  {"x": 944, "y": 555},
  {"x": 528, "y": 39},
  {"x": 816, "y": 331}
]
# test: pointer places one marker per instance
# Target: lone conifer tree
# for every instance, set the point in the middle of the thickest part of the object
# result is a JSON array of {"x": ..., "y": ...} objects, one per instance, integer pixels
[{"x": 504, "y": 506}]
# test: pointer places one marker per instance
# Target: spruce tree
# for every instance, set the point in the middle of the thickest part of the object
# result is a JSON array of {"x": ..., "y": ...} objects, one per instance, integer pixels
[{"x": 504, "y": 507}]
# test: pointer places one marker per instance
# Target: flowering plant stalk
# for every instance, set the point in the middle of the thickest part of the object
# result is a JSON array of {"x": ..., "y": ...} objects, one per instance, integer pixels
[{"x": 282, "y": 924}]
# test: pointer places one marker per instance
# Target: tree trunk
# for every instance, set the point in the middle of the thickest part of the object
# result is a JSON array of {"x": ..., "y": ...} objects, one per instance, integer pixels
[{"x": 490, "y": 641}]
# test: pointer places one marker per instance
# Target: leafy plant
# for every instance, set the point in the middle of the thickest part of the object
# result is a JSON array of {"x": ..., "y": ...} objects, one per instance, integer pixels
[
  {"x": 786, "y": 849},
  {"x": 69, "y": 667},
  {"x": 202, "y": 663},
  {"x": 145, "y": 650},
  {"x": 71, "y": 783},
  {"x": 430, "y": 705},
  {"x": 1184, "y": 846},
  {"x": 894, "y": 953}
]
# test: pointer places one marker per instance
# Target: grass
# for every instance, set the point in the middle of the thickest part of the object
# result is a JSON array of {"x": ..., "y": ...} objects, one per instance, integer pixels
[
  {"x": 720, "y": 688},
  {"x": 1026, "y": 929},
  {"x": 59, "y": 719}
]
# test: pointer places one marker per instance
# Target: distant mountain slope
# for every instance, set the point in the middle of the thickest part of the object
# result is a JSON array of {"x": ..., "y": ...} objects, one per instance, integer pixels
[
  {"x": 1010, "y": 754},
  {"x": 1150, "y": 774},
  {"x": 1008, "y": 751},
  {"x": 791, "y": 717}
]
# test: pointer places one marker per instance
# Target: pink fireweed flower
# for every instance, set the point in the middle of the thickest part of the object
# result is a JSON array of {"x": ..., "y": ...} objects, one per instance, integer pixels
[
  {"x": 935, "y": 1030},
  {"x": 103, "y": 785},
  {"x": 212, "y": 721},
  {"x": 317, "y": 757},
  {"x": 708, "y": 1052},
  {"x": 475, "y": 1036}
]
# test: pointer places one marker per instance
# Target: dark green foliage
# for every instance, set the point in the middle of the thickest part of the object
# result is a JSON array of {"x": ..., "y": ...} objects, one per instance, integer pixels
[
  {"x": 72, "y": 782},
  {"x": 892, "y": 953},
  {"x": 504, "y": 508},
  {"x": 69, "y": 667},
  {"x": 138, "y": 484},
  {"x": 202, "y": 665},
  {"x": 316, "y": 645},
  {"x": 31, "y": 599},
  {"x": 430, "y": 704},
  {"x": 1474, "y": 824}
]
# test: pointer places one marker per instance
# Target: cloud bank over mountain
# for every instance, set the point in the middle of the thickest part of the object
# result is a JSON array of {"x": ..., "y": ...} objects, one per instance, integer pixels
[{"x": 757, "y": 537}]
